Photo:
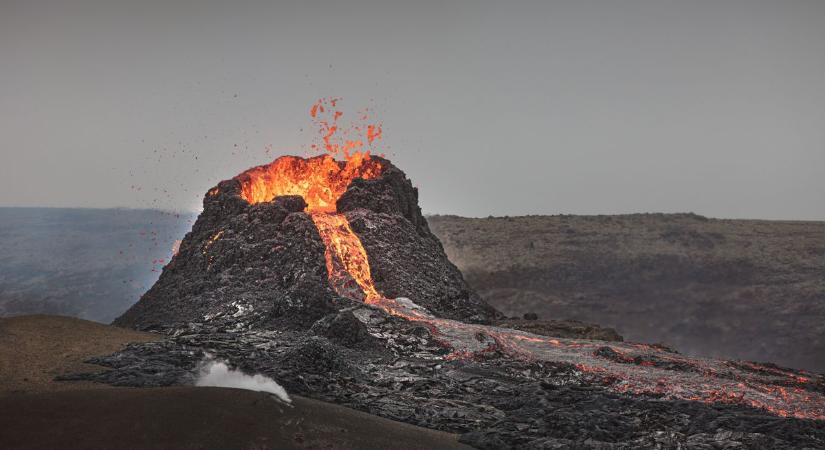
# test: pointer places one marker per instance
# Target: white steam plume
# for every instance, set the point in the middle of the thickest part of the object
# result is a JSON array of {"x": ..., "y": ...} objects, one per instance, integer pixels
[{"x": 216, "y": 373}]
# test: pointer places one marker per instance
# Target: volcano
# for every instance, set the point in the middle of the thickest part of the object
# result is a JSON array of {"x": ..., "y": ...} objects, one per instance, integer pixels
[
  {"x": 290, "y": 239},
  {"x": 324, "y": 276}
]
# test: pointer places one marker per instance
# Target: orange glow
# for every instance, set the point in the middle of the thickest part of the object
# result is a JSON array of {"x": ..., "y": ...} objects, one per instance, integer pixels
[
  {"x": 345, "y": 257},
  {"x": 373, "y": 132},
  {"x": 320, "y": 180},
  {"x": 339, "y": 138}
]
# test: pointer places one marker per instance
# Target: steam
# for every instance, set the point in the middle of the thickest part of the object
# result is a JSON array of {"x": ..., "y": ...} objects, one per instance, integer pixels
[{"x": 216, "y": 373}]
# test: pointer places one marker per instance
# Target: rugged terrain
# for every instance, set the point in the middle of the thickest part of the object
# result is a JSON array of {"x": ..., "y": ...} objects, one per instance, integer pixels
[
  {"x": 37, "y": 412},
  {"x": 324, "y": 276},
  {"x": 95, "y": 263},
  {"x": 726, "y": 288},
  {"x": 274, "y": 258}
]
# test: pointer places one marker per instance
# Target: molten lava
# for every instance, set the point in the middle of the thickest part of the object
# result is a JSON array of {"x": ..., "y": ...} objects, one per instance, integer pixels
[
  {"x": 623, "y": 367},
  {"x": 346, "y": 258},
  {"x": 320, "y": 180}
]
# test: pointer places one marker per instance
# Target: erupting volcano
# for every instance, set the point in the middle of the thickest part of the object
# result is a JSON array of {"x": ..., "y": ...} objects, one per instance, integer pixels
[
  {"x": 319, "y": 184},
  {"x": 333, "y": 259},
  {"x": 321, "y": 181}
]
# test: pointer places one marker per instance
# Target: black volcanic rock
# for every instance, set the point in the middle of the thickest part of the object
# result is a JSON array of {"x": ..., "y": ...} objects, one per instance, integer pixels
[
  {"x": 343, "y": 328},
  {"x": 495, "y": 403},
  {"x": 239, "y": 258},
  {"x": 392, "y": 193},
  {"x": 410, "y": 263},
  {"x": 268, "y": 258}
]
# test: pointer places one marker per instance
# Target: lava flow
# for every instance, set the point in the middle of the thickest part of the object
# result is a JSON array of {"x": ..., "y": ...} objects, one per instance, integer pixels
[
  {"x": 623, "y": 367},
  {"x": 637, "y": 369},
  {"x": 346, "y": 258}
]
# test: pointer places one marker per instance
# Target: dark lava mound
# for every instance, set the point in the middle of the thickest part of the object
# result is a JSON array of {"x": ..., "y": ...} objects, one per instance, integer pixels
[
  {"x": 324, "y": 276},
  {"x": 252, "y": 251}
]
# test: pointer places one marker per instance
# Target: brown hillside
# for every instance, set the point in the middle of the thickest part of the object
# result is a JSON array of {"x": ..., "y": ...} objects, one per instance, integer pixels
[{"x": 730, "y": 288}]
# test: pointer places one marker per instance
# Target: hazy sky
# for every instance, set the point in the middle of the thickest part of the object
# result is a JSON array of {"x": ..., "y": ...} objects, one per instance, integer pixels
[{"x": 582, "y": 107}]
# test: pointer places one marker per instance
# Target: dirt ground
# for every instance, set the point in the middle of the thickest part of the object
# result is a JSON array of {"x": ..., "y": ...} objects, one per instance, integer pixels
[
  {"x": 39, "y": 413},
  {"x": 35, "y": 349}
]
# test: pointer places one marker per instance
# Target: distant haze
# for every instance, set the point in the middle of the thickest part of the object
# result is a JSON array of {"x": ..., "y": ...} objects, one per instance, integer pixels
[{"x": 582, "y": 107}]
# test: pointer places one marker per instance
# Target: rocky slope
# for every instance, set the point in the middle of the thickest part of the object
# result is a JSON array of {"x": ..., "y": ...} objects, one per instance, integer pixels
[{"x": 725, "y": 288}]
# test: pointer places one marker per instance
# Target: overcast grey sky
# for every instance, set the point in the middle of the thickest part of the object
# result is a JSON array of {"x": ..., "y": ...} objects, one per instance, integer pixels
[{"x": 583, "y": 107}]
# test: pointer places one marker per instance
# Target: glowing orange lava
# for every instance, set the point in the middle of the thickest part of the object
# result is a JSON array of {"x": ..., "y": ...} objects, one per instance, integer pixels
[
  {"x": 320, "y": 180},
  {"x": 337, "y": 138},
  {"x": 346, "y": 258}
]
